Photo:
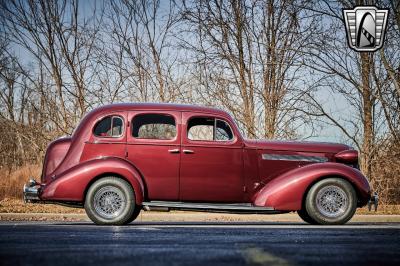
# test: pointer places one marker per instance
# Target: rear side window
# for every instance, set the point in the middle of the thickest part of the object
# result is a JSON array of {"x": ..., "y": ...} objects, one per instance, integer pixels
[
  {"x": 154, "y": 126},
  {"x": 110, "y": 126},
  {"x": 200, "y": 128},
  {"x": 210, "y": 129}
]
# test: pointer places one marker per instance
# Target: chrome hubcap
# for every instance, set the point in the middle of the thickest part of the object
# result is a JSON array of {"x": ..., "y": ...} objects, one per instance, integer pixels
[
  {"x": 109, "y": 202},
  {"x": 332, "y": 201}
]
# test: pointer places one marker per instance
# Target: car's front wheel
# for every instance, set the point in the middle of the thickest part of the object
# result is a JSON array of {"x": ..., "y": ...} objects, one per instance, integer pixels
[
  {"x": 111, "y": 201},
  {"x": 330, "y": 201}
]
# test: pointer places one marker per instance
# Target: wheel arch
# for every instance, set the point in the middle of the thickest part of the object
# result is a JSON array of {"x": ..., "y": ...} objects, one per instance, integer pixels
[
  {"x": 73, "y": 184},
  {"x": 356, "y": 189},
  {"x": 110, "y": 174},
  {"x": 287, "y": 191}
]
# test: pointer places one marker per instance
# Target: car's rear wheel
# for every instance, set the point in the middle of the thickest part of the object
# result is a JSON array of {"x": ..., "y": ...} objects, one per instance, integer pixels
[
  {"x": 330, "y": 201},
  {"x": 111, "y": 201}
]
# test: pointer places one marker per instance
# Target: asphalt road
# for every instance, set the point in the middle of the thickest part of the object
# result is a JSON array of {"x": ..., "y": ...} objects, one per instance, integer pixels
[{"x": 28, "y": 243}]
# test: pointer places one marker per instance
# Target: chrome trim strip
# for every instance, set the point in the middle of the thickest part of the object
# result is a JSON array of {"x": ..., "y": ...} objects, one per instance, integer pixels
[{"x": 287, "y": 157}]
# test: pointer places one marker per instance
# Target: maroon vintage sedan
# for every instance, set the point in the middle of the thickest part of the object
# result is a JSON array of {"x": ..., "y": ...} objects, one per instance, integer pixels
[{"x": 123, "y": 158}]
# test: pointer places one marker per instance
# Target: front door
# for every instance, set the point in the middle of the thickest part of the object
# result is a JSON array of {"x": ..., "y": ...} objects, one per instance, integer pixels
[
  {"x": 153, "y": 146},
  {"x": 211, "y": 160}
]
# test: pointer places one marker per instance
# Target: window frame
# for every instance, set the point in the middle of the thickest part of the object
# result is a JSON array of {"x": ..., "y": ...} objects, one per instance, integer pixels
[
  {"x": 151, "y": 139},
  {"x": 230, "y": 128},
  {"x": 112, "y": 122},
  {"x": 233, "y": 139}
]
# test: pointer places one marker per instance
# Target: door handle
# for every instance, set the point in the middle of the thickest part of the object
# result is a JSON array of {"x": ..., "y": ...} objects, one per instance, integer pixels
[
  {"x": 188, "y": 151},
  {"x": 173, "y": 151}
]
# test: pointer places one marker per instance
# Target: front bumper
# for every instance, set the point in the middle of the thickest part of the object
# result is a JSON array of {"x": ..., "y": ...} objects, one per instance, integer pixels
[
  {"x": 373, "y": 201},
  {"x": 31, "y": 191}
]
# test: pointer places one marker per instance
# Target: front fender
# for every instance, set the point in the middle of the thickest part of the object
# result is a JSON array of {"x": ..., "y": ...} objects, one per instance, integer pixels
[
  {"x": 286, "y": 192},
  {"x": 72, "y": 184}
]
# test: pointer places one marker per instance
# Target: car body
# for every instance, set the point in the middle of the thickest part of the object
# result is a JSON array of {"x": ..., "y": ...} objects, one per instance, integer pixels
[{"x": 189, "y": 157}]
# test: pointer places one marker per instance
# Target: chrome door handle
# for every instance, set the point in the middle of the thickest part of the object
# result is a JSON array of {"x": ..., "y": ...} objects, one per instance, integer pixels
[
  {"x": 173, "y": 151},
  {"x": 188, "y": 151}
]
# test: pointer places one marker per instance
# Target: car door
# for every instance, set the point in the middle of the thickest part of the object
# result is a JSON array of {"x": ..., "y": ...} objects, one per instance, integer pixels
[
  {"x": 211, "y": 160},
  {"x": 153, "y": 146},
  {"x": 108, "y": 137}
]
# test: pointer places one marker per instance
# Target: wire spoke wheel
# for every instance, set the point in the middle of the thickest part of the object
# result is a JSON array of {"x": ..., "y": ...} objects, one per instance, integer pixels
[
  {"x": 332, "y": 201},
  {"x": 329, "y": 201},
  {"x": 109, "y": 202}
]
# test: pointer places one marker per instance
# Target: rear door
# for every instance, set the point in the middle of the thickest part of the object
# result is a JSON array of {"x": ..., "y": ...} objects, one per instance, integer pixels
[
  {"x": 108, "y": 137},
  {"x": 153, "y": 145},
  {"x": 211, "y": 160}
]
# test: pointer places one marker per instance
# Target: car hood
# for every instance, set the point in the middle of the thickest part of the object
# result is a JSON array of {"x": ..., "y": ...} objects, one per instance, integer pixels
[{"x": 302, "y": 146}]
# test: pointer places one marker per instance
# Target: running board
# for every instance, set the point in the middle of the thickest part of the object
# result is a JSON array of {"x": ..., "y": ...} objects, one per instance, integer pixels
[{"x": 207, "y": 207}]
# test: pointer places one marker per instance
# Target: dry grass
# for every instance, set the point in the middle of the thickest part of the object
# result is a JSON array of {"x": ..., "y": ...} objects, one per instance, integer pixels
[
  {"x": 11, "y": 183},
  {"x": 382, "y": 209},
  {"x": 385, "y": 177}
]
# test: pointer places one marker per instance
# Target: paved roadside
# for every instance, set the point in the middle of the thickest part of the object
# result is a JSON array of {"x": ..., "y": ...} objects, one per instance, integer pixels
[{"x": 189, "y": 217}]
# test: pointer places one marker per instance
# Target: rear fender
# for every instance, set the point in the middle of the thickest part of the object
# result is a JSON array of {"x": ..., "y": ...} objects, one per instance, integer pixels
[
  {"x": 286, "y": 192},
  {"x": 73, "y": 183}
]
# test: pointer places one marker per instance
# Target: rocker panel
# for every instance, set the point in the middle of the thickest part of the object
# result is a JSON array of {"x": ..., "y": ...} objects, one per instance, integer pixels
[{"x": 209, "y": 207}]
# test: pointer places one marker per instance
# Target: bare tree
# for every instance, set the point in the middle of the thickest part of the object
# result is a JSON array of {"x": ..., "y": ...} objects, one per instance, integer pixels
[
  {"x": 140, "y": 53},
  {"x": 353, "y": 77},
  {"x": 20, "y": 126},
  {"x": 281, "y": 68},
  {"x": 54, "y": 34},
  {"x": 247, "y": 57},
  {"x": 387, "y": 74}
]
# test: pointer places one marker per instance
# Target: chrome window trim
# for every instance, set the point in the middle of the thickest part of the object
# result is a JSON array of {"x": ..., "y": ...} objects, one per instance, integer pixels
[
  {"x": 112, "y": 122},
  {"x": 150, "y": 139},
  {"x": 230, "y": 128},
  {"x": 233, "y": 139}
]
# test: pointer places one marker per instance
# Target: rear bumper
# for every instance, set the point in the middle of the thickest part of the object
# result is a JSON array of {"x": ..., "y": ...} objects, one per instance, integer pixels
[
  {"x": 31, "y": 191},
  {"x": 373, "y": 201}
]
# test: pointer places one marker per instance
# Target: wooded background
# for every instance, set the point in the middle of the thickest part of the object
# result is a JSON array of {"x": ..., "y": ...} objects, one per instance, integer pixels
[{"x": 282, "y": 68}]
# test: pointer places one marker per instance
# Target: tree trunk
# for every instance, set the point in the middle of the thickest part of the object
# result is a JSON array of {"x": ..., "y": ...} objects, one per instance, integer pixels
[{"x": 368, "y": 102}]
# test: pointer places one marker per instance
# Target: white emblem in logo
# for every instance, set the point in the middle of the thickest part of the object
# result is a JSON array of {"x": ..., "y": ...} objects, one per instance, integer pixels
[{"x": 365, "y": 27}]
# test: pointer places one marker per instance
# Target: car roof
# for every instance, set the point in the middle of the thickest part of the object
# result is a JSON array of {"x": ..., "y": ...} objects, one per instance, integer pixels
[{"x": 158, "y": 106}]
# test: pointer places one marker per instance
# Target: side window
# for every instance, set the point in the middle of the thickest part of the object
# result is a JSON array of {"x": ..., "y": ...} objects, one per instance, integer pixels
[
  {"x": 223, "y": 131},
  {"x": 200, "y": 128},
  {"x": 154, "y": 126},
  {"x": 211, "y": 129},
  {"x": 110, "y": 126}
]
